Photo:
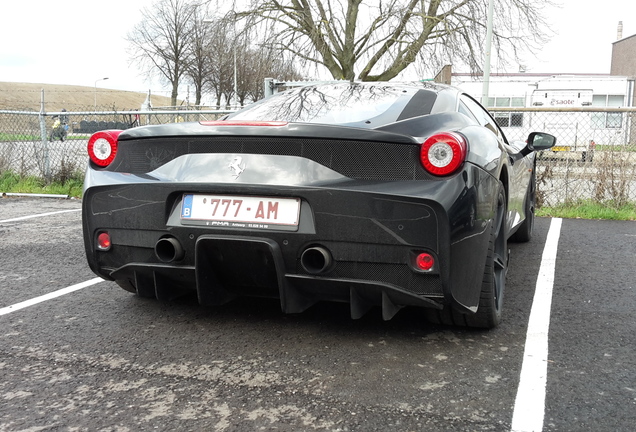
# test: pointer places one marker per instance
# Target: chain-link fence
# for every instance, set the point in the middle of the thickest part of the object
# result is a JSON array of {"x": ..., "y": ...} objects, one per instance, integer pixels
[
  {"x": 53, "y": 145},
  {"x": 595, "y": 157}
]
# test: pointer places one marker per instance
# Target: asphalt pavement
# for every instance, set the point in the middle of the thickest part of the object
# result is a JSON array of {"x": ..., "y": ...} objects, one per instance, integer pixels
[{"x": 99, "y": 358}]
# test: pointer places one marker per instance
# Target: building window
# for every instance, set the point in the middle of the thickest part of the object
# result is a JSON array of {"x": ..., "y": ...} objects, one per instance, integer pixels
[
  {"x": 604, "y": 120},
  {"x": 518, "y": 102},
  {"x": 507, "y": 119},
  {"x": 502, "y": 119},
  {"x": 502, "y": 102},
  {"x": 516, "y": 119}
]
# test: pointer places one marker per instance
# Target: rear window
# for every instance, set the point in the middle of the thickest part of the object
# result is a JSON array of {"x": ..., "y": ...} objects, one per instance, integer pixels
[{"x": 340, "y": 104}]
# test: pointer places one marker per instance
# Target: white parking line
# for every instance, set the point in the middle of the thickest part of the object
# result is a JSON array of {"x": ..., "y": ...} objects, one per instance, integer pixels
[
  {"x": 529, "y": 407},
  {"x": 49, "y": 296},
  {"x": 39, "y": 215}
]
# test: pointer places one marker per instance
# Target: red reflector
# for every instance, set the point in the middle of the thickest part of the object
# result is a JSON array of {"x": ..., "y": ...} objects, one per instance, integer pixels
[
  {"x": 242, "y": 123},
  {"x": 103, "y": 241},
  {"x": 102, "y": 147},
  {"x": 443, "y": 153},
  {"x": 425, "y": 261}
]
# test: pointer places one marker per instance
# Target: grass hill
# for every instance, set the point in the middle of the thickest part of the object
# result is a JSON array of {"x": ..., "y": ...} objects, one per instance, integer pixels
[{"x": 26, "y": 96}]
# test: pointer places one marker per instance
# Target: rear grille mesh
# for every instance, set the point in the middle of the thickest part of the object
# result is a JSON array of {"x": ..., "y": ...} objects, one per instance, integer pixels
[{"x": 364, "y": 160}]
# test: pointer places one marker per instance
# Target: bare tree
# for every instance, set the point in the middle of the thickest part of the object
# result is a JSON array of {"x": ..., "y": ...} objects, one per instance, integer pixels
[
  {"x": 161, "y": 40},
  {"x": 377, "y": 39},
  {"x": 259, "y": 63},
  {"x": 229, "y": 47},
  {"x": 199, "y": 67},
  {"x": 220, "y": 58}
]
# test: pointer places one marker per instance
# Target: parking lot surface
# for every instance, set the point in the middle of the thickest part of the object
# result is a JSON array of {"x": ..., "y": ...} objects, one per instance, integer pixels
[{"x": 99, "y": 358}]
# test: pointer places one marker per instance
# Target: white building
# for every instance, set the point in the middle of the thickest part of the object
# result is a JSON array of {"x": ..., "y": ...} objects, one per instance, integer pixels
[{"x": 574, "y": 129}]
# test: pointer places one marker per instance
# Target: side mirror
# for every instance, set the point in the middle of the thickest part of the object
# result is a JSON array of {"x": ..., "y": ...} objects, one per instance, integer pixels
[
  {"x": 540, "y": 141},
  {"x": 536, "y": 141}
]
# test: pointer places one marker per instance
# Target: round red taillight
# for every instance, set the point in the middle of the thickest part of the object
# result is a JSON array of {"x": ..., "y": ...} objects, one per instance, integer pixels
[
  {"x": 102, "y": 147},
  {"x": 443, "y": 153},
  {"x": 424, "y": 261},
  {"x": 103, "y": 241}
]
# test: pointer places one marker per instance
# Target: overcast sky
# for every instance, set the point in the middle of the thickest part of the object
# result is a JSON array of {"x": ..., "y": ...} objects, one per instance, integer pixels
[{"x": 79, "y": 42}]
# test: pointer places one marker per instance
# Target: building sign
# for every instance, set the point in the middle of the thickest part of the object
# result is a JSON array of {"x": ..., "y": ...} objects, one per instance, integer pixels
[{"x": 562, "y": 98}]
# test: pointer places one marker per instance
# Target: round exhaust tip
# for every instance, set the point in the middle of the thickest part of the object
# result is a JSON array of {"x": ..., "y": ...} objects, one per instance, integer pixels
[
  {"x": 169, "y": 249},
  {"x": 316, "y": 260}
]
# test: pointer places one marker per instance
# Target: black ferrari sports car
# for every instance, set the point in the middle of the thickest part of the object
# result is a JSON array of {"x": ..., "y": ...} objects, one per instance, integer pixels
[{"x": 375, "y": 194}]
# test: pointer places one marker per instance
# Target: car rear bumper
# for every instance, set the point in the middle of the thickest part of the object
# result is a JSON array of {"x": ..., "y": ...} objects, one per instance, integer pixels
[
  {"x": 370, "y": 230},
  {"x": 229, "y": 266}
]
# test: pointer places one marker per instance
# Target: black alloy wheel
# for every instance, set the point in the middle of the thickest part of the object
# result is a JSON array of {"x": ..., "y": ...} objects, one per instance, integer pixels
[{"x": 488, "y": 314}]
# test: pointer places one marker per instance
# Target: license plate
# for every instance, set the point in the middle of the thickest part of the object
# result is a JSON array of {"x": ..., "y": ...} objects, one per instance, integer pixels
[{"x": 240, "y": 211}]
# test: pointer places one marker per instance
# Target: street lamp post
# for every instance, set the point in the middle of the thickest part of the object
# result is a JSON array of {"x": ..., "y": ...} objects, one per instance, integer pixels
[{"x": 96, "y": 81}]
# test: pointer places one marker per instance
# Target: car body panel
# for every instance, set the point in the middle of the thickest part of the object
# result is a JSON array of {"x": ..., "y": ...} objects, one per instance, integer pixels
[{"x": 364, "y": 198}]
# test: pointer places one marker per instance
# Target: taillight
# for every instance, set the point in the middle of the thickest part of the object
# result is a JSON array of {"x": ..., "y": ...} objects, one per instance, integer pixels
[
  {"x": 103, "y": 241},
  {"x": 425, "y": 261},
  {"x": 443, "y": 153},
  {"x": 102, "y": 147},
  {"x": 422, "y": 261}
]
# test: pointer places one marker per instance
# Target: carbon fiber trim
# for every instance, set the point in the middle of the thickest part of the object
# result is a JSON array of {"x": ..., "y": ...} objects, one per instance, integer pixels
[{"x": 363, "y": 160}]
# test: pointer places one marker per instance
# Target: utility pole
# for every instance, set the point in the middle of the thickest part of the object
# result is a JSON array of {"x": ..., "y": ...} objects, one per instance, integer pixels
[{"x": 486, "y": 77}]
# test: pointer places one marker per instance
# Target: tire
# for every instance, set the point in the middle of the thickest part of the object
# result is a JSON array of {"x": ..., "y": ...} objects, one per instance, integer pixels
[
  {"x": 488, "y": 314},
  {"x": 524, "y": 233}
]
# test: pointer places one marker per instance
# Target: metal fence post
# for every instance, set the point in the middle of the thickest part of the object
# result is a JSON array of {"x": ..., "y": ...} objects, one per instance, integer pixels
[
  {"x": 268, "y": 87},
  {"x": 45, "y": 143}
]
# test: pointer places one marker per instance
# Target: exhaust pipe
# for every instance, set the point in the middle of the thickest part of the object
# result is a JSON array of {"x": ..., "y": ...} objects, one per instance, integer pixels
[
  {"x": 169, "y": 249},
  {"x": 316, "y": 260}
]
